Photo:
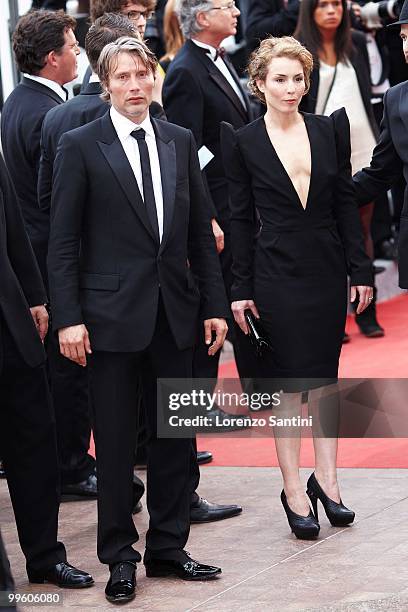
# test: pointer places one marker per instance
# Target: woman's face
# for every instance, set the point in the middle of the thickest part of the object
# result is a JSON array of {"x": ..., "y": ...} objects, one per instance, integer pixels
[
  {"x": 284, "y": 85},
  {"x": 328, "y": 14}
]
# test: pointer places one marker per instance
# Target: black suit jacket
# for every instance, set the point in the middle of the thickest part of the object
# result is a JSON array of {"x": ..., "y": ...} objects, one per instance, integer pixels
[
  {"x": 106, "y": 267},
  {"x": 82, "y": 109},
  {"x": 21, "y": 285},
  {"x": 270, "y": 17},
  {"x": 360, "y": 62},
  {"x": 21, "y": 121},
  {"x": 197, "y": 96},
  {"x": 390, "y": 158}
]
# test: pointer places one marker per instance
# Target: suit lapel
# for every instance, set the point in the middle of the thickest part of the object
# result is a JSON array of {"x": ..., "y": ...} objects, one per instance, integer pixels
[
  {"x": 223, "y": 84},
  {"x": 115, "y": 156},
  {"x": 168, "y": 170},
  {"x": 218, "y": 78},
  {"x": 235, "y": 76}
]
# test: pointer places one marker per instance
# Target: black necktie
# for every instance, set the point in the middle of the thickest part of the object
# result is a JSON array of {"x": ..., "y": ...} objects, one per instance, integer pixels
[{"x": 148, "y": 192}]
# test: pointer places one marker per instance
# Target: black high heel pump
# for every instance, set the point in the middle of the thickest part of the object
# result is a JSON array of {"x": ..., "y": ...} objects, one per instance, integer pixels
[
  {"x": 304, "y": 527},
  {"x": 338, "y": 514}
]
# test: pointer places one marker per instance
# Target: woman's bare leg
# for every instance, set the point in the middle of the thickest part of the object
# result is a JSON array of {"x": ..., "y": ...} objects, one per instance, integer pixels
[
  {"x": 287, "y": 441},
  {"x": 324, "y": 408}
]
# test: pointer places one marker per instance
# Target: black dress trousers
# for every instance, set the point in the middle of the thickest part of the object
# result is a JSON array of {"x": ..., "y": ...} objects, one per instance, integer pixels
[
  {"x": 28, "y": 447},
  {"x": 114, "y": 386}
]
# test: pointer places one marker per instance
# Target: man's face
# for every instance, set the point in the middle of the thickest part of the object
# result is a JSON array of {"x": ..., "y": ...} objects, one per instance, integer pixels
[
  {"x": 66, "y": 59},
  {"x": 130, "y": 87},
  {"x": 404, "y": 37},
  {"x": 138, "y": 14},
  {"x": 222, "y": 18}
]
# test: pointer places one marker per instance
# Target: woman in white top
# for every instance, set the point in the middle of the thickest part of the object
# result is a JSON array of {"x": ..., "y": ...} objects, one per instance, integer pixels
[{"x": 341, "y": 78}]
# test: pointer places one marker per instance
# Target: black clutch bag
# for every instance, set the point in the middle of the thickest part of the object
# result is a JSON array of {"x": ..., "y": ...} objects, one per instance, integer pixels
[{"x": 257, "y": 335}]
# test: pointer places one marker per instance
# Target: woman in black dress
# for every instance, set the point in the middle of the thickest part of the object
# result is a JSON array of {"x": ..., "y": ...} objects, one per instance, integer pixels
[{"x": 292, "y": 170}]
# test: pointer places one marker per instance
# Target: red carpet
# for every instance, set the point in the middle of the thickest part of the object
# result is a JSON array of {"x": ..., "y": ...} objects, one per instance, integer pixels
[{"x": 362, "y": 357}]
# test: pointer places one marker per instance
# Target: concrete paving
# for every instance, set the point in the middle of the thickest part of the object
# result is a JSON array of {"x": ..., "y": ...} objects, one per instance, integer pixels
[{"x": 357, "y": 569}]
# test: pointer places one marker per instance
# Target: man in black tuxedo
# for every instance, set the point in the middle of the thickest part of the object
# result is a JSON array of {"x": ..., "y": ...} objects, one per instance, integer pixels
[
  {"x": 201, "y": 89},
  {"x": 129, "y": 227},
  {"x": 390, "y": 156},
  {"x": 27, "y": 426},
  {"x": 46, "y": 52}
]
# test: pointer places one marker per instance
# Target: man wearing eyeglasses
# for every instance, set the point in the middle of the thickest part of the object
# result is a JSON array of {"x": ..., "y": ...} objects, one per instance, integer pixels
[
  {"x": 201, "y": 89},
  {"x": 138, "y": 12}
]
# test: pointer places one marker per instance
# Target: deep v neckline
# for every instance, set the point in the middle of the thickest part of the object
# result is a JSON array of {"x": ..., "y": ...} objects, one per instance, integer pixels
[{"x": 285, "y": 172}]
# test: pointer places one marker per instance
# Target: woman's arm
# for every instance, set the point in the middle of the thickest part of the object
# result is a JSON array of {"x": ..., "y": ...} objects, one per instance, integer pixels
[
  {"x": 346, "y": 210},
  {"x": 243, "y": 224}
]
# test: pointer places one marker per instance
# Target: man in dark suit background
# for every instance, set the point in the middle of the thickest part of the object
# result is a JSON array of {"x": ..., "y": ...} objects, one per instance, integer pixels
[
  {"x": 128, "y": 189},
  {"x": 201, "y": 89},
  {"x": 390, "y": 156},
  {"x": 27, "y": 426},
  {"x": 46, "y": 52},
  {"x": 270, "y": 17}
]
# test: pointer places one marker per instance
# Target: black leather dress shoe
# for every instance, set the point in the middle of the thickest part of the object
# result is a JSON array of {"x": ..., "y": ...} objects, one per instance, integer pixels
[
  {"x": 204, "y": 511},
  {"x": 3, "y": 472},
  {"x": 204, "y": 457},
  {"x": 121, "y": 585},
  {"x": 63, "y": 575},
  {"x": 189, "y": 570},
  {"x": 87, "y": 489},
  {"x": 221, "y": 421}
]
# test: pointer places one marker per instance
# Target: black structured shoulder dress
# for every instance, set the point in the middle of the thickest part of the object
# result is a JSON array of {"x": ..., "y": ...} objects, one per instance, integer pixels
[{"x": 295, "y": 269}]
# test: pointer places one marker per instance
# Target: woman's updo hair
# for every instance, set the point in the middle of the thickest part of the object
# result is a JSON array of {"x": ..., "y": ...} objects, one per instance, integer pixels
[{"x": 271, "y": 47}]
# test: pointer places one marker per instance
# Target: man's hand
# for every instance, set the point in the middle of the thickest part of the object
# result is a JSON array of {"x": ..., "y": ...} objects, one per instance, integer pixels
[
  {"x": 218, "y": 235},
  {"x": 365, "y": 296},
  {"x": 74, "y": 343},
  {"x": 220, "y": 327},
  {"x": 40, "y": 317},
  {"x": 238, "y": 308}
]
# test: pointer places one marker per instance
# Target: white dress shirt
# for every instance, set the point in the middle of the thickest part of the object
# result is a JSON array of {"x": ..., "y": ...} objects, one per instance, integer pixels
[
  {"x": 50, "y": 84},
  {"x": 124, "y": 127},
  {"x": 222, "y": 67}
]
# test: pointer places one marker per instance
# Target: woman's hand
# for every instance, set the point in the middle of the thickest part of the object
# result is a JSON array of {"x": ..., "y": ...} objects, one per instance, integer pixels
[
  {"x": 365, "y": 296},
  {"x": 238, "y": 308}
]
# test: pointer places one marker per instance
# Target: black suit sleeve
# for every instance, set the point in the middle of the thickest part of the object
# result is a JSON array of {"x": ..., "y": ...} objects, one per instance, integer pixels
[
  {"x": 202, "y": 250},
  {"x": 19, "y": 249},
  {"x": 184, "y": 105},
  {"x": 266, "y": 17},
  {"x": 67, "y": 206},
  {"x": 346, "y": 210},
  {"x": 385, "y": 167},
  {"x": 242, "y": 215}
]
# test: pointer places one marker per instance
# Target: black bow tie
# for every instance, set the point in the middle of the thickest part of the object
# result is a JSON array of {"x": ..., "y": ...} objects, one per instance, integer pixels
[{"x": 220, "y": 52}]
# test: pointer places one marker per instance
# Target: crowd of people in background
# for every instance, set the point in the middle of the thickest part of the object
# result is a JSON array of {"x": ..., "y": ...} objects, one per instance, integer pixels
[{"x": 193, "y": 57}]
